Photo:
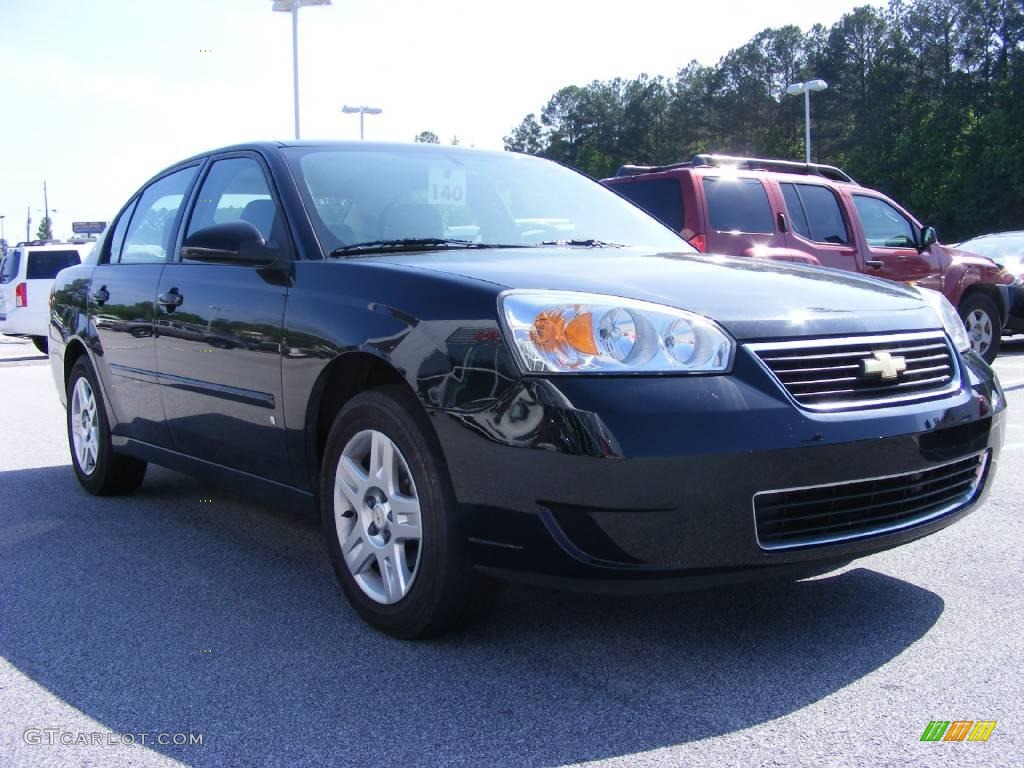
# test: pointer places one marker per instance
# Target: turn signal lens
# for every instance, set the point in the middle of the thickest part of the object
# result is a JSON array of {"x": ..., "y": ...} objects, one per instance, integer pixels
[
  {"x": 580, "y": 334},
  {"x": 21, "y": 295},
  {"x": 566, "y": 332}
]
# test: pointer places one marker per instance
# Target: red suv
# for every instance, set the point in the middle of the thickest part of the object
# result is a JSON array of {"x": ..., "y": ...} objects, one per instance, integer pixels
[{"x": 816, "y": 214}]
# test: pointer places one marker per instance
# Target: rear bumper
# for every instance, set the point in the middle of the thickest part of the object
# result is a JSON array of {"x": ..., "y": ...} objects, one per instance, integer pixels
[
  {"x": 648, "y": 484},
  {"x": 23, "y": 322}
]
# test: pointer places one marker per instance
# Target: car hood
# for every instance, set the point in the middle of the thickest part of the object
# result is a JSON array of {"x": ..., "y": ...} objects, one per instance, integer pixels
[{"x": 751, "y": 298}]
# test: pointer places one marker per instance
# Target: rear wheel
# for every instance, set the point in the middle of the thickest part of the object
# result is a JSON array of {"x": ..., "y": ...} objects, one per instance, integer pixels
[
  {"x": 981, "y": 318},
  {"x": 99, "y": 470},
  {"x": 42, "y": 343},
  {"x": 389, "y": 519}
]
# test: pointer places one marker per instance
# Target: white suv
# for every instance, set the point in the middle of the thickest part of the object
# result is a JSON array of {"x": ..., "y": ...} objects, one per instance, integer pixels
[{"x": 26, "y": 277}]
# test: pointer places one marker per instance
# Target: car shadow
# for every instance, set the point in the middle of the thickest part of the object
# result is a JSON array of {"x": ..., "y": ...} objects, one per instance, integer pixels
[{"x": 185, "y": 609}]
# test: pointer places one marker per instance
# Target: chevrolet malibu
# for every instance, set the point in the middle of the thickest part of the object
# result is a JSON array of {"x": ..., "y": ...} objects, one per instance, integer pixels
[{"x": 480, "y": 365}]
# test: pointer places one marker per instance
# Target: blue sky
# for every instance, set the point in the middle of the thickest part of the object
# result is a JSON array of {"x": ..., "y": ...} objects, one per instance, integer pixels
[{"x": 99, "y": 95}]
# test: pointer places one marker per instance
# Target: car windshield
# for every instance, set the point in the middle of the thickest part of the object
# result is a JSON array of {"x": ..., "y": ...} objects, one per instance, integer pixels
[
  {"x": 372, "y": 194},
  {"x": 1006, "y": 250}
]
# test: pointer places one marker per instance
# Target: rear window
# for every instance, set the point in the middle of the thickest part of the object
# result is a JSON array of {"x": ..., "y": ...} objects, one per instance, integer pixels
[
  {"x": 814, "y": 213},
  {"x": 662, "y": 198},
  {"x": 9, "y": 268},
  {"x": 738, "y": 205},
  {"x": 44, "y": 265}
]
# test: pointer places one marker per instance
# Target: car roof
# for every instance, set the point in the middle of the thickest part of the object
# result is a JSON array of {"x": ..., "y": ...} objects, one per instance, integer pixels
[{"x": 277, "y": 145}]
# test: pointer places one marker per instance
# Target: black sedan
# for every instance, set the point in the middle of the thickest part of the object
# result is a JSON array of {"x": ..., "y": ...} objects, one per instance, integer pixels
[{"x": 482, "y": 365}]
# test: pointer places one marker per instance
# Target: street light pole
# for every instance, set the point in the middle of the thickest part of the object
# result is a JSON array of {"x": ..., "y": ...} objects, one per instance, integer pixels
[
  {"x": 796, "y": 89},
  {"x": 362, "y": 111},
  {"x": 292, "y": 7}
]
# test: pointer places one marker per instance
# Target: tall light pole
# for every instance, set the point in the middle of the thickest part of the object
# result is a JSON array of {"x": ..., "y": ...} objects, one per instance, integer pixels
[
  {"x": 2, "y": 227},
  {"x": 292, "y": 7},
  {"x": 362, "y": 111},
  {"x": 796, "y": 89}
]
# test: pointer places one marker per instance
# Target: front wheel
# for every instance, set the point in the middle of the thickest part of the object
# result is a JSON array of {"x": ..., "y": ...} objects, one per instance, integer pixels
[
  {"x": 99, "y": 470},
  {"x": 389, "y": 519},
  {"x": 981, "y": 319}
]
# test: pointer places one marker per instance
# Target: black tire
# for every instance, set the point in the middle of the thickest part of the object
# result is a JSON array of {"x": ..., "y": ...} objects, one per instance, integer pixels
[
  {"x": 446, "y": 590},
  {"x": 979, "y": 308},
  {"x": 42, "y": 343},
  {"x": 111, "y": 473}
]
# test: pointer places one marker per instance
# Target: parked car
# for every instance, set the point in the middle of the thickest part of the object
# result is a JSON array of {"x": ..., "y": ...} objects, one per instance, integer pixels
[
  {"x": 816, "y": 214},
  {"x": 26, "y": 276},
  {"x": 1007, "y": 250},
  {"x": 608, "y": 410}
]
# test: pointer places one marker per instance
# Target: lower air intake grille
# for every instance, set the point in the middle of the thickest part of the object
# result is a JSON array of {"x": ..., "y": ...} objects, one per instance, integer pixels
[{"x": 825, "y": 514}]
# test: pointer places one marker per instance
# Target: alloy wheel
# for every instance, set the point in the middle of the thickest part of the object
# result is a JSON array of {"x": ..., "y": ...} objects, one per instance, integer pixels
[
  {"x": 377, "y": 516},
  {"x": 85, "y": 430},
  {"x": 979, "y": 328}
]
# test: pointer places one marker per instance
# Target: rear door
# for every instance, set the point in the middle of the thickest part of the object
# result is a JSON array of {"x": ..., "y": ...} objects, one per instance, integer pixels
[
  {"x": 218, "y": 331},
  {"x": 816, "y": 225},
  {"x": 738, "y": 215},
  {"x": 890, "y": 243},
  {"x": 121, "y": 304}
]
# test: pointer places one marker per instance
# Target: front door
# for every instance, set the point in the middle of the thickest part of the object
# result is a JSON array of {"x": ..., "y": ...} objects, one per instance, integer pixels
[
  {"x": 120, "y": 306},
  {"x": 891, "y": 240},
  {"x": 218, "y": 333}
]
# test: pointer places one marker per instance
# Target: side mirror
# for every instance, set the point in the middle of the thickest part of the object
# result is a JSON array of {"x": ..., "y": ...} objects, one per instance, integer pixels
[
  {"x": 231, "y": 242},
  {"x": 928, "y": 237}
]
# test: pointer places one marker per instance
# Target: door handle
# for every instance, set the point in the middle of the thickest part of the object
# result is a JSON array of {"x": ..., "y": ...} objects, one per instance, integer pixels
[
  {"x": 875, "y": 263},
  {"x": 171, "y": 299},
  {"x": 783, "y": 226},
  {"x": 101, "y": 296}
]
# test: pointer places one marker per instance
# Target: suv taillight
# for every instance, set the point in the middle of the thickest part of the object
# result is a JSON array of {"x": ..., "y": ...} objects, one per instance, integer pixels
[
  {"x": 21, "y": 295},
  {"x": 700, "y": 243}
]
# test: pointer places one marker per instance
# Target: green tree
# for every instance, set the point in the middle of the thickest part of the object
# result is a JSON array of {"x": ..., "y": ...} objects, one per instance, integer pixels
[
  {"x": 45, "y": 230},
  {"x": 427, "y": 137}
]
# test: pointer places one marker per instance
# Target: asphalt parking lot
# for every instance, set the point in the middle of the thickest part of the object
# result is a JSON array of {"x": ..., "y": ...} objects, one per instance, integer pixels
[{"x": 187, "y": 610}]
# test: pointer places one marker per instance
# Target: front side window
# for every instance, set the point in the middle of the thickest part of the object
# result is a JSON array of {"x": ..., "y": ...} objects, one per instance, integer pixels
[
  {"x": 364, "y": 194},
  {"x": 149, "y": 234},
  {"x": 814, "y": 213},
  {"x": 236, "y": 189},
  {"x": 738, "y": 205},
  {"x": 884, "y": 226},
  {"x": 662, "y": 198},
  {"x": 44, "y": 265}
]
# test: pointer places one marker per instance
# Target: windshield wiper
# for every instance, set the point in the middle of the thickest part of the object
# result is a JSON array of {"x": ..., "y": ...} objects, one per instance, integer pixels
[
  {"x": 590, "y": 243},
  {"x": 412, "y": 244}
]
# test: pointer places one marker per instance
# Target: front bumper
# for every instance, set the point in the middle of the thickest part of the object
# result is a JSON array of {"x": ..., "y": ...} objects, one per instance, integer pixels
[{"x": 648, "y": 484}]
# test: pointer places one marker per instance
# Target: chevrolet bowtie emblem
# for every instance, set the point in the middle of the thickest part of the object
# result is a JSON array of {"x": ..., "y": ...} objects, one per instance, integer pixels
[{"x": 885, "y": 365}]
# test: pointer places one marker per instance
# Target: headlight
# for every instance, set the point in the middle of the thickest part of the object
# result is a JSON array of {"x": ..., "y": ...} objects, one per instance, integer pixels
[
  {"x": 951, "y": 321},
  {"x": 568, "y": 332}
]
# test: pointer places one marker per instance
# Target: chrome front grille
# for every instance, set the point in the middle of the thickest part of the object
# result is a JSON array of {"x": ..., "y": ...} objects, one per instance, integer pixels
[
  {"x": 825, "y": 514},
  {"x": 835, "y": 374}
]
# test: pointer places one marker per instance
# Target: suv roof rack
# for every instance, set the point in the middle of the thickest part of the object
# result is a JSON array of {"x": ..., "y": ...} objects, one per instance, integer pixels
[
  {"x": 746, "y": 163},
  {"x": 73, "y": 241}
]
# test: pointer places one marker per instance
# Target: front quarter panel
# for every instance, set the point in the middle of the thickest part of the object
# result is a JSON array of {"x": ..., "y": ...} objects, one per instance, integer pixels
[{"x": 439, "y": 332}]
